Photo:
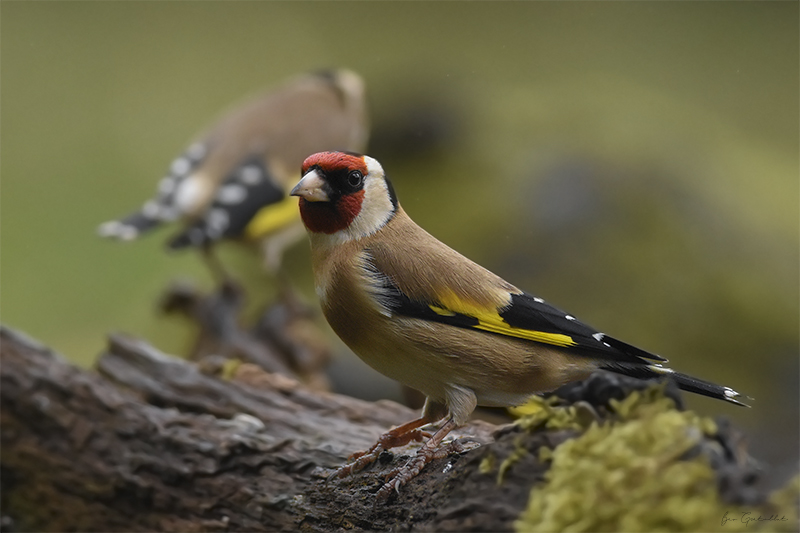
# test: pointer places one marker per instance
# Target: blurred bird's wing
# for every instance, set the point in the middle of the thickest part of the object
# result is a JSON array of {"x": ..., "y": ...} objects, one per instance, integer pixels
[{"x": 246, "y": 190}]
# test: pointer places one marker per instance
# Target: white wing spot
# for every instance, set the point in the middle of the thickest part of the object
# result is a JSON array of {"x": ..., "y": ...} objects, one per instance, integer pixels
[
  {"x": 127, "y": 233},
  {"x": 108, "y": 229},
  {"x": 231, "y": 194},
  {"x": 217, "y": 220},
  {"x": 569, "y": 317},
  {"x": 599, "y": 338},
  {"x": 168, "y": 213},
  {"x": 180, "y": 166},
  {"x": 151, "y": 209},
  {"x": 167, "y": 185},
  {"x": 730, "y": 393},
  {"x": 538, "y": 300},
  {"x": 250, "y": 175},
  {"x": 115, "y": 228},
  {"x": 196, "y": 151}
]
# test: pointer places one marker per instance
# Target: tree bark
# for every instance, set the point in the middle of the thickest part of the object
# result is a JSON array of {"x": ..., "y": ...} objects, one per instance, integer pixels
[{"x": 149, "y": 442}]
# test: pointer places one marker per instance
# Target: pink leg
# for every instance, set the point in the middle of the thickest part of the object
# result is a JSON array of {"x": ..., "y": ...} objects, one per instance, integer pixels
[
  {"x": 399, "y": 436},
  {"x": 429, "y": 451}
]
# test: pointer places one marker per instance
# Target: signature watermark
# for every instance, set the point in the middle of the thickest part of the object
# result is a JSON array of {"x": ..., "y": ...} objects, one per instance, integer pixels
[{"x": 747, "y": 518}]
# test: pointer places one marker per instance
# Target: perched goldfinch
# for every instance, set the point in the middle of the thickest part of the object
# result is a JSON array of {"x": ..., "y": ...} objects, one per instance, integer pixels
[
  {"x": 421, "y": 313},
  {"x": 232, "y": 181}
]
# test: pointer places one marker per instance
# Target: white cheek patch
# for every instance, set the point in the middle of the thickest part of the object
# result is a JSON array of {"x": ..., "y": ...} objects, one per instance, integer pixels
[
  {"x": 376, "y": 209},
  {"x": 373, "y": 167}
]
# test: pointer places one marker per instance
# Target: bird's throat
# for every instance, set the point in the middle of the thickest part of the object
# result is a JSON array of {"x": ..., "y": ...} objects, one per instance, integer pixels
[{"x": 330, "y": 217}]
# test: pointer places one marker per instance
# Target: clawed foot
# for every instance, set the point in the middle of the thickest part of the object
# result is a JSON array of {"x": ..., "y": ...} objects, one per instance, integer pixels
[
  {"x": 400, "y": 476},
  {"x": 391, "y": 439},
  {"x": 400, "y": 436}
]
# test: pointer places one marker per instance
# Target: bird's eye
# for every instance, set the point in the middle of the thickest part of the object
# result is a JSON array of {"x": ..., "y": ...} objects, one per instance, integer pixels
[{"x": 355, "y": 179}]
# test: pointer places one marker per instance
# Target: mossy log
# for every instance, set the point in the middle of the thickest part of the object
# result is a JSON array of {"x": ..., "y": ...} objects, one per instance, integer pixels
[{"x": 149, "y": 442}]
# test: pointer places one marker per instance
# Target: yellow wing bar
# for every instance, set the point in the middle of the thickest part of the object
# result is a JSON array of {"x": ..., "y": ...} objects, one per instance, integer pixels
[
  {"x": 272, "y": 217},
  {"x": 494, "y": 323}
]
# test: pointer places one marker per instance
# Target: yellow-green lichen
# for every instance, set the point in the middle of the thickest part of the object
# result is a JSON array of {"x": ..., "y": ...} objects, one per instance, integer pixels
[
  {"x": 229, "y": 369},
  {"x": 518, "y": 453},
  {"x": 627, "y": 475},
  {"x": 540, "y": 413},
  {"x": 487, "y": 464},
  {"x": 544, "y": 412}
]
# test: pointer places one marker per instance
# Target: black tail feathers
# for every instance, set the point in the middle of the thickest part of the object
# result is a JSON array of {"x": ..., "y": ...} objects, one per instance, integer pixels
[
  {"x": 128, "y": 228},
  {"x": 684, "y": 382},
  {"x": 629, "y": 349}
]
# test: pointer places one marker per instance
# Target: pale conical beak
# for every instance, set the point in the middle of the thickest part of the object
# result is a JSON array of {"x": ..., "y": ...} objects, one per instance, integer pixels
[{"x": 311, "y": 188}]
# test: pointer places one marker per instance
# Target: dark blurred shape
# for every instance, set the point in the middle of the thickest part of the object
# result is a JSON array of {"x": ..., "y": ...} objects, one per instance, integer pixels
[
  {"x": 415, "y": 126},
  {"x": 291, "y": 326},
  {"x": 568, "y": 197},
  {"x": 741, "y": 480},
  {"x": 284, "y": 340},
  {"x": 601, "y": 387}
]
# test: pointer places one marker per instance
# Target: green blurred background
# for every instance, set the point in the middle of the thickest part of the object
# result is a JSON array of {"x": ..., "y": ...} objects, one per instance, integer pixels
[{"x": 634, "y": 163}]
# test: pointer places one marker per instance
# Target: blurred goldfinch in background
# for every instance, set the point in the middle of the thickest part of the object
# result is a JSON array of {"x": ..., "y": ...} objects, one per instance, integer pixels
[{"x": 232, "y": 181}]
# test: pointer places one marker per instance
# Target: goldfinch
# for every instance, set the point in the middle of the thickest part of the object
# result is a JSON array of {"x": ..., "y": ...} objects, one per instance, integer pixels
[
  {"x": 421, "y": 313},
  {"x": 232, "y": 181}
]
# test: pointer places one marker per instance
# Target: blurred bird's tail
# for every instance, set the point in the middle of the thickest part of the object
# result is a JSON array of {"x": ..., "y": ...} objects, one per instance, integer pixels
[
  {"x": 130, "y": 227},
  {"x": 684, "y": 382}
]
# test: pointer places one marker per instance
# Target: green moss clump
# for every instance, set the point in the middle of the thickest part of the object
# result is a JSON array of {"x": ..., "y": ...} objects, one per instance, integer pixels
[
  {"x": 627, "y": 475},
  {"x": 545, "y": 412}
]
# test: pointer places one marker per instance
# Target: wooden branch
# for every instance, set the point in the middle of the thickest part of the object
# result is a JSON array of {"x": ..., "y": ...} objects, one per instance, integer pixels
[{"x": 152, "y": 443}]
